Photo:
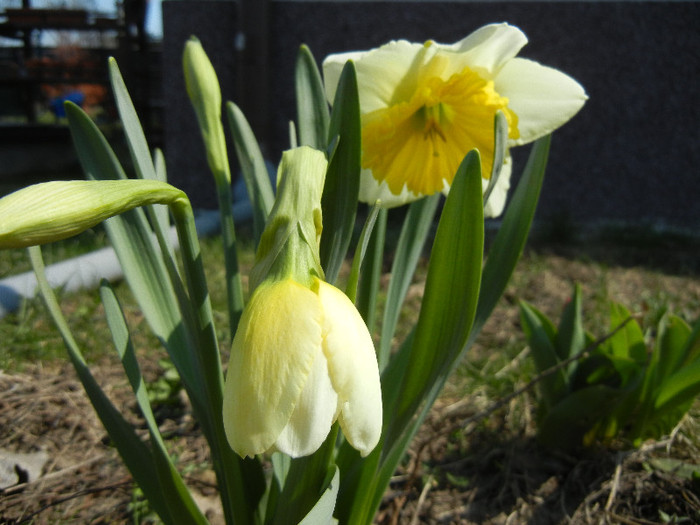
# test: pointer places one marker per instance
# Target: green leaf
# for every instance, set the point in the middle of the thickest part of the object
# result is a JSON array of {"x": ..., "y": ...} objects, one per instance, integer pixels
[
  {"x": 679, "y": 388},
  {"x": 451, "y": 293},
  {"x": 628, "y": 341},
  {"x": 253, "y": 168},
  {"x": 135, "y": 138},
  {"x": 183, "y": 325},
  {"x": 132, "y": 240},
  {"x": 547, "y": 325},
  {"x": 371, "y": 272},
  {"x": 175, "y": 492},
  {"x": 138, "y": 146},
  {"x": 415, "y": 376},
  {"x": 342, "y": 185},
  {"x": 691, "y": 352},
  {"x": 500, "y": 149},
  {"x": 304, "y": 480},
  {"x": 312, "y": 108},
  {"x": 567, "y": 422},
  {"x": 414, "y": 232},
  {"x": 162, "y": 215},
  {"x": 555, "y": 385},
  {"x": 510, "y": 240},
  {"x": 669, "y": 388},
  {"x": 571, "y": 338},
  {"x": 135, "y": 454},
  {"x": 362, "y": 243},
  {"x": 144, "y": 268},
  {"x": 672, "y": 338},
  {"x": 676, "y": 467},
  {"x": 323, "y": 510}
]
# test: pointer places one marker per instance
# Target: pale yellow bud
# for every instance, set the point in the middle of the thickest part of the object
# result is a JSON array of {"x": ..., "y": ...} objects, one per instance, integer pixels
[{"x": 52, "y": 211}]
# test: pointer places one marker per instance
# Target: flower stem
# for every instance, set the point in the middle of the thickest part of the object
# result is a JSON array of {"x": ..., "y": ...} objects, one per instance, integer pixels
[
  {"x": 234, "y": 287},
  {"x": 238, "y": 502}
]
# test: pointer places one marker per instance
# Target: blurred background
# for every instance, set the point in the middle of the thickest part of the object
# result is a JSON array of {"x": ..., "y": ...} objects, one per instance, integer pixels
[{"x": 630, "y": 157}]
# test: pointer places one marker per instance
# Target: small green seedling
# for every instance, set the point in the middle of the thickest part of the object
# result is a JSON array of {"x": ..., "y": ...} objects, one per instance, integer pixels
[{"x": 594, "y": 391}]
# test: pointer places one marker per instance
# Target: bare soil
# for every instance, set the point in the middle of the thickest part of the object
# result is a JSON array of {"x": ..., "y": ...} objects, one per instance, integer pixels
[{"x": 488, "y": 471}]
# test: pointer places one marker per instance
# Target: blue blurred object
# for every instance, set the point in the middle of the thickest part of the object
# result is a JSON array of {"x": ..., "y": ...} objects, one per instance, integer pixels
[{"x": 56, "y": 104}]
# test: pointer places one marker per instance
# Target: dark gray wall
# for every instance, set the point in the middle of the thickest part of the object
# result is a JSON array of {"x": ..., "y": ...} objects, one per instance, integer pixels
[
  {"x": 630, "y": 155},
  {"x": 214, "y": 24}
]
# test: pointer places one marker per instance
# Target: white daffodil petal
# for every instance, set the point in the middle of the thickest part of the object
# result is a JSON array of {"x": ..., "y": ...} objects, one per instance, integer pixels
[
  {"x": 278, "y": 338},
  {"x": 543, "y": 98},
  {"x": 486, "y": 49},
  {"x": 313, "y": 414},
  {"x": 353, "y": 369},
  {"x": 372, "y": 191},
  {"x": 333, "y": 67},
  {"x": 425, "y": 106},
  {"x": 380, "y": 72}
]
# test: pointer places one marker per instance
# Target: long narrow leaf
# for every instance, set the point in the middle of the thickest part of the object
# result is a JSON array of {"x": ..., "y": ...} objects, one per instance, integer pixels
[
  {"x": 132, "y": 240},
  {"x": 241, "y": 481},
  {"x": 138, "y": 146},
  {"x": 371, "y": 272},
  {"x": 306, "y": 479},
  {"x": 342, "y": 185},
  {"x": 253, "y": 168},
  {"x": 312, "y": 108},
  {"x": 629, "y": 341},
  {"x": 360, "y": 252},
  {"x": 322, "y": 512},
  {"x": 134, "y": 452},
  {"x": 451, "y": 290},
  {"x": 510, "y": 240},
  {"x": 571, "y": 337},
  {"x": 135, "y": 137},
  {"x": 414, "y": 378},
  {"x": 673, "y": 338},
  {"x": 416, "y": 227},
  {"x": 678, "y": 389},
  {"x": 542, "y": 348},
  {"x": 174, "y": 491},
  {"x": 189, "y": 338}
]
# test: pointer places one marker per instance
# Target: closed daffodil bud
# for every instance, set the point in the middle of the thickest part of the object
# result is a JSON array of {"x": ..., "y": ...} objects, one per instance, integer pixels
[
  {"x": 56, "y": 210},
  {"x": 302, "y": 357},
  {"x": 205, "y": 94}
]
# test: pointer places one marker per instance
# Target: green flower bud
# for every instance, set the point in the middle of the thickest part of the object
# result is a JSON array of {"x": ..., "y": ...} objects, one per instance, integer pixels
[
  {"x": 289, "y": 246},
  {"x": 205, "y": 94},
  {"x": 56, "y": 210}
]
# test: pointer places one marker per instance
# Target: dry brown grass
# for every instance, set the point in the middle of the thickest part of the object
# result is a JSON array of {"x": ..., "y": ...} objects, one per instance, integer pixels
[{"x": 491, "y": 471}]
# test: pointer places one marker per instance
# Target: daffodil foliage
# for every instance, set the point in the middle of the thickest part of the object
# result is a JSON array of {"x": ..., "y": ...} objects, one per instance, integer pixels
[{"x": 306, "y": 390}]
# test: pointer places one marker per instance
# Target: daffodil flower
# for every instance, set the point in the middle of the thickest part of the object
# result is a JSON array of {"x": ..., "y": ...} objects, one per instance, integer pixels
[
  {"x": 425, "y": 106},
  {"x": 302, "y": 357}
]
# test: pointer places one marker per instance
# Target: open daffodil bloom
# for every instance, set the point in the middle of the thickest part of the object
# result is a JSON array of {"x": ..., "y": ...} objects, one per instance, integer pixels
[
  {"x": 425, "y": 106},
  {"x": 302, "y": 357}
]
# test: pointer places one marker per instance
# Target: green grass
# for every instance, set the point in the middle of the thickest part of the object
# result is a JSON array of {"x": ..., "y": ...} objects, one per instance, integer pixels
[{"x": 29, "y": 336}]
